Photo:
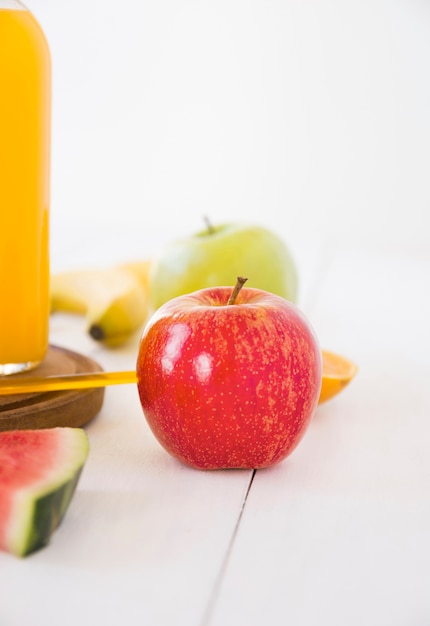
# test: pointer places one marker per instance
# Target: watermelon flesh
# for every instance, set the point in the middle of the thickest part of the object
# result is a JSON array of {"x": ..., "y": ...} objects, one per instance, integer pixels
[{"x": 39, "y": 471}]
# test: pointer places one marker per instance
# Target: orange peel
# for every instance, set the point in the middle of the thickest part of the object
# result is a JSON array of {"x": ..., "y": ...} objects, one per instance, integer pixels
[{"x": 337, "y": 373}]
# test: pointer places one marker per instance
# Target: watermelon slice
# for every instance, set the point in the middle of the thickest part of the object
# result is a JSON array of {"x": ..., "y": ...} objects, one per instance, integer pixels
[{"x": 39, "y": 471}]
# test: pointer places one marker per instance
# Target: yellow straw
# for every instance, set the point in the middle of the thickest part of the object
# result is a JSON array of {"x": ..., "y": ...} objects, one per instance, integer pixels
[{"x": 68, "y": 381}]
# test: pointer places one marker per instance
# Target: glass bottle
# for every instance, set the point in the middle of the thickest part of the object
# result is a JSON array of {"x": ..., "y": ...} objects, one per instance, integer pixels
[{"x": 25, "y": 123}]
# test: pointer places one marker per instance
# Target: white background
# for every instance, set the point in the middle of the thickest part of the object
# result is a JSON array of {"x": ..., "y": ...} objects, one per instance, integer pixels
[{"x": 167, "y": 110}]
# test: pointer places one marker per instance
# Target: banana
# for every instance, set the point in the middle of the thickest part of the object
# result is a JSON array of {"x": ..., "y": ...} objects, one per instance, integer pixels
[
  {"x": 113, "y": 300},
  {"x": 140, "y": 269}
]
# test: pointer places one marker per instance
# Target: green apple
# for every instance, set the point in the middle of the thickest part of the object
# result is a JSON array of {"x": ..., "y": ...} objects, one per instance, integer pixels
[{"x": 215, "y": 256}]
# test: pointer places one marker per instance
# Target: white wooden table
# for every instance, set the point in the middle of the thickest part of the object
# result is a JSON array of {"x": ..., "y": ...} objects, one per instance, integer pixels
[
  {"x": 339, "y": 533},
  {"x": 311, "y": 118}
]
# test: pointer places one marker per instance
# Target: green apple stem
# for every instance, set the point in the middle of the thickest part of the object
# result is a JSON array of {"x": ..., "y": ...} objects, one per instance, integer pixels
[
  {"x": 211, "y": 229},
  {"x": 238, "y": 286}
]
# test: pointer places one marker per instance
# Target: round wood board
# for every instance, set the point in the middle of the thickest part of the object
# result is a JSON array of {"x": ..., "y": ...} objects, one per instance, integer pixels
[{"x": 54, "y": 408}]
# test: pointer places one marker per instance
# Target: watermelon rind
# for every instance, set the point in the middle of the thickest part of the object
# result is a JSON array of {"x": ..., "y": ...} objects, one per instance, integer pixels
[{"x": 38, "y": 509}]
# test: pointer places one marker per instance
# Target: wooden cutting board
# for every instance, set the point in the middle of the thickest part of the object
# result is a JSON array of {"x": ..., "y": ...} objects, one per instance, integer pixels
[{"x": 53, "y": 408}]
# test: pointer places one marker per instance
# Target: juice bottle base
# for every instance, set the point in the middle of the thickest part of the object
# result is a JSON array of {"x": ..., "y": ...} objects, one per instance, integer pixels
[{"x": 6, "y": 369}]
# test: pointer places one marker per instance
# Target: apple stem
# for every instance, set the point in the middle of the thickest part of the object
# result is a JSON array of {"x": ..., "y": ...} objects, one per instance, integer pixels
[
  {"x": 211, "y": 229},
  {"x": 238, "y": 286}
]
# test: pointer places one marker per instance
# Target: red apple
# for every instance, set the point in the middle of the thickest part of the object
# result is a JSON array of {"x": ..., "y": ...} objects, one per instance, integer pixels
[{"x": 229, "y": 385}]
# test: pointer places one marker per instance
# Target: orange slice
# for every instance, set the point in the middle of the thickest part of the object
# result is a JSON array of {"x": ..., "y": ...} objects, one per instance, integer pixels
[{"x": 337, "y": 372}]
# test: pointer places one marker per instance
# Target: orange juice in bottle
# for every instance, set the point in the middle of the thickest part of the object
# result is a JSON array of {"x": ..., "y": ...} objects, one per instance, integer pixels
[{"x": 25, "y": 110}]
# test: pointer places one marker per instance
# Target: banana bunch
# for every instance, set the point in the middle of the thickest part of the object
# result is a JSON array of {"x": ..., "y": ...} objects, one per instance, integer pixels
[{"x": 114, "y": 301}]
